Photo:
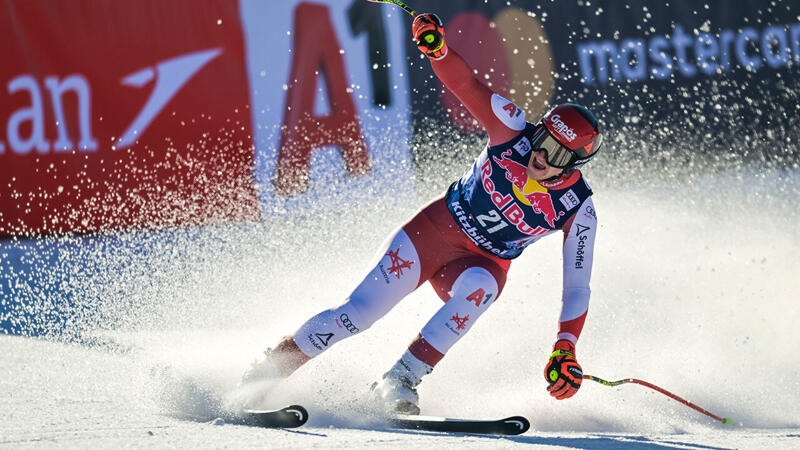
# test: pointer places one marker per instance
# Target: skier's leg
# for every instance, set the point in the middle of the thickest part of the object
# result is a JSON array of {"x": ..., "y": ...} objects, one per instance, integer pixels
[
  {"x": 475, "y": 283},
  {"x": 468, "y": 285},
  {"x": 395, "y": 275},
  {"x": 397, "y": 272}
]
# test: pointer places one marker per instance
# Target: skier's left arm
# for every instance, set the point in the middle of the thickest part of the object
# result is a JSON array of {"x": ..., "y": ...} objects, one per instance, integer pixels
[
  {"x": 578, "y": 250},
  {"x": 563, "y": 373}
]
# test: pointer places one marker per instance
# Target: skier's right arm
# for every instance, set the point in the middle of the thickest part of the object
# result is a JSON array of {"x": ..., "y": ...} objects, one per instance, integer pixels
[{"x": 501, "y": 118}]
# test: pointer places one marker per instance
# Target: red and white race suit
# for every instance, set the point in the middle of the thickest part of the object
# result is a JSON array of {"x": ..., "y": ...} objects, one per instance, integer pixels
[{"x": 463, "y": 242}]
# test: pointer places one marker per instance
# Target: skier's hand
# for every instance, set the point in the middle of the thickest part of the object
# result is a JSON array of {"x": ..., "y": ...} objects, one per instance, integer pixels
[
  {"x": 428, "y": 32},
  {"x": 563, "y": 373}
]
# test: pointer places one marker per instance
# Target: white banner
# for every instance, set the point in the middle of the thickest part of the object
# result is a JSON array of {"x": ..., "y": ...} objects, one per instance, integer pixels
[{"x": 280, "y": 80}]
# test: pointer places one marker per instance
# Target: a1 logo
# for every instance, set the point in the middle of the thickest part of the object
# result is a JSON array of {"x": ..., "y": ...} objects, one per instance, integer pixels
[{"x": 479, "y": 296}]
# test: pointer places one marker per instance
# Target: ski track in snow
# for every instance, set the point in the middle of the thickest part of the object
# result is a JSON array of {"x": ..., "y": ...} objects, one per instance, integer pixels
[{"x": 695, "y": 291}]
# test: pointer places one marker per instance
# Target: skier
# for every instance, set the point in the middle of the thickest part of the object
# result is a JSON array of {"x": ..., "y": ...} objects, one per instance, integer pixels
[{"x": 524, "y": 185}]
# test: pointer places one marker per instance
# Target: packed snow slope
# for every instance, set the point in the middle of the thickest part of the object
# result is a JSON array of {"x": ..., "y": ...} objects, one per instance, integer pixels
[{"x": 695, "y": 289}]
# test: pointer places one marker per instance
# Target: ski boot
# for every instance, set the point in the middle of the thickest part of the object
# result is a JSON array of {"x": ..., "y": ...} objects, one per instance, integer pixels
[
  {"x": 397, "y": 395},
  {"x": 265, "y": 370},
  {"x": 278, "y": 363},
  {"x": 396, "y": 392}
]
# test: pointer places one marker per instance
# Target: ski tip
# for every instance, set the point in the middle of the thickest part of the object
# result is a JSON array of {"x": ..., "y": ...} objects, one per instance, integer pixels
[
  {"x": 518, "y": 424},
  {"x": 299, "y": 411},
  {"x": 727, "y": 421},
  {"x": 291, "y": 416},
  {"x": 509, "y": 426}
]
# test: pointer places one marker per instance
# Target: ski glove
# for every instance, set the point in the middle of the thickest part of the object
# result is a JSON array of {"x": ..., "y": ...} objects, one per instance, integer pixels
[
  {"x": 428, "y": 32},
  {"x": 563, "y": 373}
]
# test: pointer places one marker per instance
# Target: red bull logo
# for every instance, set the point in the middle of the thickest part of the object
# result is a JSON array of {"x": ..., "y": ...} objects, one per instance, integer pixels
[
  {"x": 542, "y": 203},
  {"x": 517, "y": 174},
  {"x": 510, "y": 209}
]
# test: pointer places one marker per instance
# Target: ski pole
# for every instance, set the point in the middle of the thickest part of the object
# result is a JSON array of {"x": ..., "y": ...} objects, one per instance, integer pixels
[
  {"x": 398, "y": 3},
  {"x": 725, "y": 420}
]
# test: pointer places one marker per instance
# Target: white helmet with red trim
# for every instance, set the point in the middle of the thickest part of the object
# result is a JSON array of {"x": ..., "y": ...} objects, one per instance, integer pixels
[{"x": 570, "y": 136}]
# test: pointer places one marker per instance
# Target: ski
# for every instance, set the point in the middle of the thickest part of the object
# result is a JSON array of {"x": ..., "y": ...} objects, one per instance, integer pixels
[
  {"x": 289, "y": 417},
  {"x": 508, "y": 426}
]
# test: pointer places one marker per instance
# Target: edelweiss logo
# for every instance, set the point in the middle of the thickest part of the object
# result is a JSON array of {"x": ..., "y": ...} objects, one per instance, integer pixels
[
  {"x": 398, "y": 263},
  {"x": 461, "y": 322},
  {"x": 170, "y": 77},
  {"x": 562, "y": 128}
]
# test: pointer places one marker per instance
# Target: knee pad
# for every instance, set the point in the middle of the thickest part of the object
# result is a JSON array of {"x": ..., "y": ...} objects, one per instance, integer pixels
[{"x": 472, "y": 293}]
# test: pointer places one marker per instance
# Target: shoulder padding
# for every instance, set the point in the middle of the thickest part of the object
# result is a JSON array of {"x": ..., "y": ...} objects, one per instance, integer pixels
[{"x": 508, "y": 112}]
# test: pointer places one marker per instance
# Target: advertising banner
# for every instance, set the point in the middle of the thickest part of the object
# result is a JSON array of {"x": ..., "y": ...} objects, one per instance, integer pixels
[
  {"x": 122, "y": 115},
  {"x": 330, "y": 96},
  {"x": 671, "y": 82},
  {"x": 128, "y": 115}
]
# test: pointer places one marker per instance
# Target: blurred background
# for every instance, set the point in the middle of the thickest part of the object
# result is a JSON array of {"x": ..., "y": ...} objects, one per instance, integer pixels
[{"x": 190, "y": 180}]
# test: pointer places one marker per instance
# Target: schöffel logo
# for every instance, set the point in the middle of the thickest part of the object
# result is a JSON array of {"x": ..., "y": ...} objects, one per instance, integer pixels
[
  {"x": 581, "y": 245},
  {"x": 562, "y": 128},
  {"x": 324, "y": 338}
]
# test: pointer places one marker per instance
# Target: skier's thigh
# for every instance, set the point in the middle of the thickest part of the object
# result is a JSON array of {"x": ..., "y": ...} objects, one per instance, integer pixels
[{"x": 395, "y": 275}]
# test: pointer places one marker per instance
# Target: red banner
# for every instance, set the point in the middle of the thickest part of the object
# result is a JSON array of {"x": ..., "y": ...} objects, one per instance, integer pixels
[{"x": 123, "y": 114}]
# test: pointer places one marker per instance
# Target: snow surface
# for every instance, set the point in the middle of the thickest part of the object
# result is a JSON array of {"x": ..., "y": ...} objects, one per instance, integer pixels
[{"x": 695, "y": 289}]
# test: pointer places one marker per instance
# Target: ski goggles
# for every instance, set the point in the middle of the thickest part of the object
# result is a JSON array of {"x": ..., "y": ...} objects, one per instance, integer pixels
[{"x": 556, "y": 154}]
